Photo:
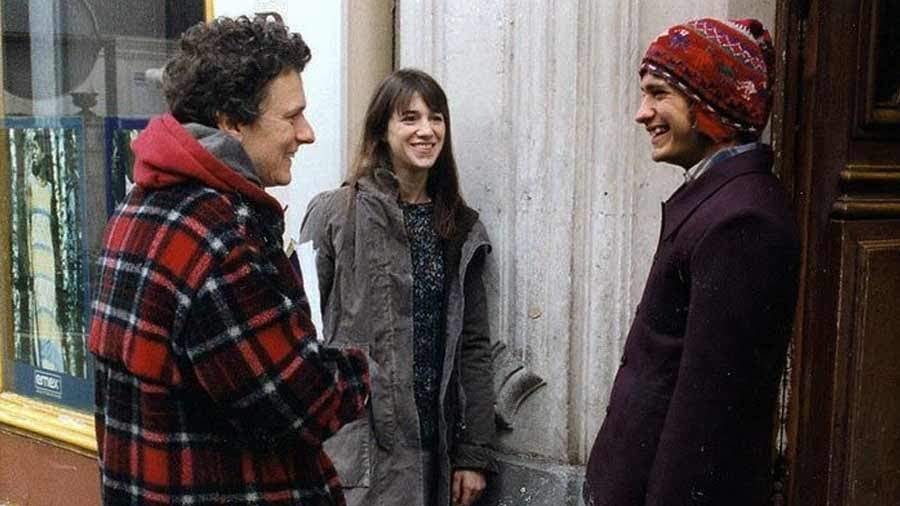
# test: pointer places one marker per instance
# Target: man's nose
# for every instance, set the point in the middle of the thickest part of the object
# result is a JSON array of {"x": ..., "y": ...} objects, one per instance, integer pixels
[
  {"x": 644, "y": 112},
  {"x": 304, "y": 132}
]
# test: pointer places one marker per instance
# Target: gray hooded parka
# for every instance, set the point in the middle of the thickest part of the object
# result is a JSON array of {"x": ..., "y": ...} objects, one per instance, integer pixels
[{"x": 364, "y": 271}]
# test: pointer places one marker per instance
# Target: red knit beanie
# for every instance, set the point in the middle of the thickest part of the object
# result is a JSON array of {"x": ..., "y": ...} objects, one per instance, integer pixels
[{"x": 725, "y": 67}]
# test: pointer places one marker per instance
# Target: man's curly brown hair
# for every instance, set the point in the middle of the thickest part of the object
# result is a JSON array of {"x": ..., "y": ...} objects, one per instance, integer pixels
[{"x": 222, "y": 68}]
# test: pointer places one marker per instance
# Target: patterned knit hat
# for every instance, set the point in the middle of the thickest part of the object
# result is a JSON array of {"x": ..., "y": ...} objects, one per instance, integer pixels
[{"x": 725, "y": 67}]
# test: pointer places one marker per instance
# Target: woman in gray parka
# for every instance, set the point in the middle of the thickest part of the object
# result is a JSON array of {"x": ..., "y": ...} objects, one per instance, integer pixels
[{"x": 399, "y": 258}]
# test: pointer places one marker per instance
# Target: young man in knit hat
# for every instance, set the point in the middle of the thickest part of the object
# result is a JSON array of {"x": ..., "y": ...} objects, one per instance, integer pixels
[{"x": 690, "y": 416}]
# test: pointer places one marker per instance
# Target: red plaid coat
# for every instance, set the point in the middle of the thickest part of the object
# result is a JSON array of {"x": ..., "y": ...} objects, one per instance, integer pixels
[{"x": 210, "y": 385}]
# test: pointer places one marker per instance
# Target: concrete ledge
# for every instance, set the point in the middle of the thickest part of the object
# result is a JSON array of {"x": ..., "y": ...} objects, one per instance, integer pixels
[{"x": 527, "y": 481}]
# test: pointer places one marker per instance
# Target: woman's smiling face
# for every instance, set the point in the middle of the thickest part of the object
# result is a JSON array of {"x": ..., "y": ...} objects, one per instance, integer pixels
[{"x": 415, "y": 134}]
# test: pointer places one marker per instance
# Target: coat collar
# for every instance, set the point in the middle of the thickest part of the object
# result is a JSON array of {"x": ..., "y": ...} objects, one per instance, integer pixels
[
  {"x": 382, "y": 180},
  {"x": 166, "y": 153},
  {"x": 385, "y": 182},
  {"x": 689, "y": 197}
]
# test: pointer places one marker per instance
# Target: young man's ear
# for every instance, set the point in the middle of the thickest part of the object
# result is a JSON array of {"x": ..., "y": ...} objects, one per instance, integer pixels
[
  {"x": 692, "y": 112},
  {"x": 227, "y": 125}
]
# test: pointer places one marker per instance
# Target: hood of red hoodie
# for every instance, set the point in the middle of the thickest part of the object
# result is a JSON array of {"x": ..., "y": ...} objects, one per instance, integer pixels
[{"x": 166, "y": 154}]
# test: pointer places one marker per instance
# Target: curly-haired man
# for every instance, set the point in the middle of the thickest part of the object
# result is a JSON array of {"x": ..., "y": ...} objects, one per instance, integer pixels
[{"x": 211, "y": 387}]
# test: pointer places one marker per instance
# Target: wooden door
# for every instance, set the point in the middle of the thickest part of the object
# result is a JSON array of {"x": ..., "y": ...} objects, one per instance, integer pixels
[{"x": 838, "y": 125}]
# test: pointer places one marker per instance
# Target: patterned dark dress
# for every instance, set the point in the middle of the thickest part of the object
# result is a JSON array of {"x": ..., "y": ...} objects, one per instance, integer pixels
[{"x": 428, "y": 307}]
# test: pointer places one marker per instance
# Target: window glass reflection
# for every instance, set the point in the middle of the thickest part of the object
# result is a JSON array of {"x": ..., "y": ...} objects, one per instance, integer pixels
[{"x": 80, "y": 80}]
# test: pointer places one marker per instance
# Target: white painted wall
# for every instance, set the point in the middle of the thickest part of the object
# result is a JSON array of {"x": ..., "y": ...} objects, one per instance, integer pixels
[{"x": 542, "y": 98}]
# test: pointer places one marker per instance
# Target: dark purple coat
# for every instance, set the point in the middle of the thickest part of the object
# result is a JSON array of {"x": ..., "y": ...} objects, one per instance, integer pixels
[{"x": 690, "y": 416}]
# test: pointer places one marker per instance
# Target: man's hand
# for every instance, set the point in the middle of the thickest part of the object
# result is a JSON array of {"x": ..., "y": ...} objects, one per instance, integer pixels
[{"x": 467, "y": 486}]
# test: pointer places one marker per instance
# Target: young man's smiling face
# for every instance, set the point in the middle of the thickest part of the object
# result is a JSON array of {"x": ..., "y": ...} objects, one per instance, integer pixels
[{"x": 666, "y": 114}]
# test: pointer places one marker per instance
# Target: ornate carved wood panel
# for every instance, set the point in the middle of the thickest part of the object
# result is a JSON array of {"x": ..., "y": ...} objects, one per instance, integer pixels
[
  {"x": 869, "y": 329},
  {"x": 865, "y": 467}
]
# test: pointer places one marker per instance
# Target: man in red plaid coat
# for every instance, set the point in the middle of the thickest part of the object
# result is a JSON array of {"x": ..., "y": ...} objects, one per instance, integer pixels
[{"x": 211, "y": 386}]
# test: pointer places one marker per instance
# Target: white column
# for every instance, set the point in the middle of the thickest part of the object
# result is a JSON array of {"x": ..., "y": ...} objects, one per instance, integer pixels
[
  {"x": 45, "y": 77},
  {"x": 542, "y": 98},
  {"x": 510, "y": 77},
  {"x": 617, "y": 204}
]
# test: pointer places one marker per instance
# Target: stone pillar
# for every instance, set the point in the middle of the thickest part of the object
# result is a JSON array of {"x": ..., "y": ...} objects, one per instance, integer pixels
[
  {"x": 94, "y": 170},
  {"x": 542, "y": 98}
]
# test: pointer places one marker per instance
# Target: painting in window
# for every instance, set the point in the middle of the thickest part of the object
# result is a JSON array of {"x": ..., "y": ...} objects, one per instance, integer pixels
[
  {"x": 48, "y": 261},
  {"x": 120, "y": 132}
]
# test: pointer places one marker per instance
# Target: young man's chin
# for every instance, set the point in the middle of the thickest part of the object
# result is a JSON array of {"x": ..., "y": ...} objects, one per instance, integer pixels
[
  {"x": 659, "y": 157},
  {"x": 682, "y": 160}
]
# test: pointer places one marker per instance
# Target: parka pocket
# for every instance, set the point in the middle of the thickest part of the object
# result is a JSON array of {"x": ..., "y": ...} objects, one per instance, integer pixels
[{"x": 350, "y": 450}]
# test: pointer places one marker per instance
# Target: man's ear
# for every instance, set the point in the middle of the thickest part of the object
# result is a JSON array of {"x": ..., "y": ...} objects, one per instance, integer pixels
[{"x": 227, "y": 125}]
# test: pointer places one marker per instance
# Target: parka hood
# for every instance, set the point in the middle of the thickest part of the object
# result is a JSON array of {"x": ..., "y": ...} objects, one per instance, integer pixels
[{"x": 166, "y": 154}]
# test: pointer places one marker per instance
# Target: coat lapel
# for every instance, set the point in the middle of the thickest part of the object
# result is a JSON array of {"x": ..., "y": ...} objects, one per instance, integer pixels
[{"x": 682, "y": 204}]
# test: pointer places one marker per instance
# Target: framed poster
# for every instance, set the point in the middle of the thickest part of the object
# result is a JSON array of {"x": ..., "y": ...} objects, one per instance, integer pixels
[{"x": 49, "y": 284}]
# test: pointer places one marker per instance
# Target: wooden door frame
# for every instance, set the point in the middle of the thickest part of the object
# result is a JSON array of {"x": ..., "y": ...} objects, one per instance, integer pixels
[
  {"x": 822, "y": 156},
  {"x": 795, "y": 133}
]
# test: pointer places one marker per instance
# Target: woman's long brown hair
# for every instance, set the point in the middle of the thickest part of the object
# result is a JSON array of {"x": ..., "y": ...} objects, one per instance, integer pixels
[{"x": 393, "y": 95}]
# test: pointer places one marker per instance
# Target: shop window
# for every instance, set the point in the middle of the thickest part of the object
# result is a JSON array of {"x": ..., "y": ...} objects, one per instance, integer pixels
[{"x": 80, "y": 78}]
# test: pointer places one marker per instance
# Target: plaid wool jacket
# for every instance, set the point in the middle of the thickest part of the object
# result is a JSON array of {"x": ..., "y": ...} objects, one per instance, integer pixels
[{"x": 211, "y": 387}]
